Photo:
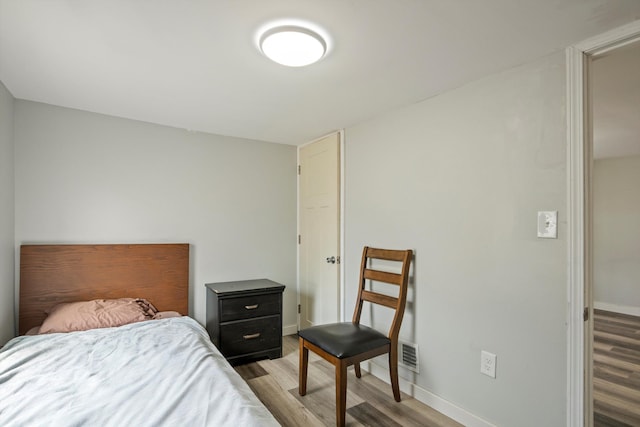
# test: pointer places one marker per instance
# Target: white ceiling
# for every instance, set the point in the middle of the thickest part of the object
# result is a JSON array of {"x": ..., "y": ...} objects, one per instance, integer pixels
[
  {"x": 615, "y": 82},
  {"x": 194, "y": 64}
]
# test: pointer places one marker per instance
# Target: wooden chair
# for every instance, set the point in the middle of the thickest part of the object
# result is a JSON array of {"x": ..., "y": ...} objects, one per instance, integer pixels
[{"x": 349, "y": 343}]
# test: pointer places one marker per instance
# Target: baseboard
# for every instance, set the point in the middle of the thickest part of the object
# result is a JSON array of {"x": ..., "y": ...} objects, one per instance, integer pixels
[
  {"x": 623, "y": 309},
  {"x": 436, "y": 402},
  {"x": 289, "y": 330}
]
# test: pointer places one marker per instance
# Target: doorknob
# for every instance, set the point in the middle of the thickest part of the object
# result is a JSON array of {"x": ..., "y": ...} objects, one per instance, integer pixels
[{"x": 331, "y": 260}]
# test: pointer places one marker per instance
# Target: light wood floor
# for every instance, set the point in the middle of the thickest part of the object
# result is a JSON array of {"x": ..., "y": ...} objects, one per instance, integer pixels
[
  {"x": 616, "y": 369},
  {"x": 369, "y": 400}
]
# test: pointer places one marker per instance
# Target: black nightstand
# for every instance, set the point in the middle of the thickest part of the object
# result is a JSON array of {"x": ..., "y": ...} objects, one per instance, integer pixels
[{"x": 244, "y": 319}]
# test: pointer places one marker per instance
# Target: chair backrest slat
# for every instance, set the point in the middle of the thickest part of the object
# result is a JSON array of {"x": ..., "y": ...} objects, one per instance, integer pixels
[
  {"x": 388, "y": 254},
  {"x": 376, "y": 298},
  {"x": 401, "y": 280},
  {"x": 383, "y": 276}
]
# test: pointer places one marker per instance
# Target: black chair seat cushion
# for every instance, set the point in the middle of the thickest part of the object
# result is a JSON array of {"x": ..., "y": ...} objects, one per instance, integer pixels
[{"x": 344, "y": 339}]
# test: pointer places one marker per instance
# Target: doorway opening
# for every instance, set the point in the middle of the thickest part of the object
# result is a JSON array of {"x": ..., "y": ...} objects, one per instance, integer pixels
[
  {"x": 581, "y": 235},
  {"x": 614, "y": 80}
]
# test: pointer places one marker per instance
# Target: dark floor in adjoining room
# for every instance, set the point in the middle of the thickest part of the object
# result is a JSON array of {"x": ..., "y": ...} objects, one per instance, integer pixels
[{"x": 616, "y": 369}]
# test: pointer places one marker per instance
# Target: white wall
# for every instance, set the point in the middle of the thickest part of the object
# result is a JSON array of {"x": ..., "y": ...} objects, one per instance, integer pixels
[
  {"x": 89, "y": 178},
  {"x": 616, "y": 234},
  {"x": 459, "y": 178},
  {"x": 6, "y": 216}
]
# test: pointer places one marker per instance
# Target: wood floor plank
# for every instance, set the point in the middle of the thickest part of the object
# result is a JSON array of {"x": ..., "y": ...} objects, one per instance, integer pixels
[
  {"x": 611, "y": 410},
  {"x": 628, "y": 394},
  {"x": 369, "y": 400},
  {"x": 377, "y": 392},
  {"x": 607, "y": 323},
  {"x": 370, "y": 415},
  {"x": 602, "y": 420},
  {"x": 321, "y": 391},
  {"x": 614, "y": 376},
  {"x": 621, "y": 354},
  {"x": 601, "y": 346},
  {"x": 432, "y": 418},
  {"x": 616, "y": 373},
  {"x": 290, "y": 345},
  {"x": 613, "y": 339},
  {"x": 284, "y": 369},
  {"x": 618, "y": 331},
  {"x": 409, "y": 411},
  {"x": 613, "y": 361},
  {"x": 628, "y": 353},
  {"x": 322, "y": 403},
  {"x": 613, "y": 316},
  {"x": 250, "y": 371},
  {"x": 288, "y": 411}
]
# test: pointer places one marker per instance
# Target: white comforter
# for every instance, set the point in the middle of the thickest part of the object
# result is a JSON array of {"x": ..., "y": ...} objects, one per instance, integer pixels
[{"x": 158, "y": 372}]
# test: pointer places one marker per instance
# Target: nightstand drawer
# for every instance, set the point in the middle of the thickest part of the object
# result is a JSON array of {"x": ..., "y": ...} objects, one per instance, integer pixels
[
  {"x": 249, "y": 306},
  {"x": 248, "y": 336}
]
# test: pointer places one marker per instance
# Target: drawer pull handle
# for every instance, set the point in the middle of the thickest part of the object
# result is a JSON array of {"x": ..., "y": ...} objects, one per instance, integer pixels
[
  {"x": 251, "y": 307},
  {"x": 252, "y": 336}
]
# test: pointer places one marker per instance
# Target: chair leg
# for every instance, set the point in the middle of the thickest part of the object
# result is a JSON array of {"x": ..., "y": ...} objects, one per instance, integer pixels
[
  {"x": 393, "y": 370},
  {"x": 357, "y": 368},
  {"x": 302, "y": 374},
  {"x": 341, "y": 393}
]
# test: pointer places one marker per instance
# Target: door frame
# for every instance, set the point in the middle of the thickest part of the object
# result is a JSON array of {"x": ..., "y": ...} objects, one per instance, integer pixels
[
  {"x": 579, "y": 159},
  {"x": 341, "y": 167}
]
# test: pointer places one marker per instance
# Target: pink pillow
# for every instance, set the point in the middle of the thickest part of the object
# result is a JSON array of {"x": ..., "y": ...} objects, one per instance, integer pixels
[
  {"x": 166, "y": 315},
  {"x": 99, "y": 313},
  {"x": 33, "y": 331}
]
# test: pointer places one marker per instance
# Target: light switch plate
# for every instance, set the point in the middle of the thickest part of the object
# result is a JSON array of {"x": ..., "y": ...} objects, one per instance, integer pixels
[{"x": 548, "y": 224}]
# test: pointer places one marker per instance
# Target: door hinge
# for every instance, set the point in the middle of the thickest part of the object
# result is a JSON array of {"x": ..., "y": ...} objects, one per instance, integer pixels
[
  {"x": 299, "y": 168},
  {"x": 585, "y": 314},
  {"x": 299, "y": 239},
  {"x": 299, "y": 309}
]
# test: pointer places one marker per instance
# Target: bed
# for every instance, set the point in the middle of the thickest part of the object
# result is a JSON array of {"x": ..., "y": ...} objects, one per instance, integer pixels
[{"x": 162, "y": 371}]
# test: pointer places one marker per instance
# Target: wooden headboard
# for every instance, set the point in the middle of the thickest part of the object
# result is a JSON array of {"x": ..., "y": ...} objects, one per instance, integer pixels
[{"x": 51, "y": 274}]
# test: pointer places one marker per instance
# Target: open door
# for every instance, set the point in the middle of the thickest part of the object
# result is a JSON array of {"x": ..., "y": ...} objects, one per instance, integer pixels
[{"x": 319, "y": 236}]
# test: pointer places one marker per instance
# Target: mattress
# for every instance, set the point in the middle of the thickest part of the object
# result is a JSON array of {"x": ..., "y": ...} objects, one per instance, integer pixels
[{"x": 158, "y": 372}]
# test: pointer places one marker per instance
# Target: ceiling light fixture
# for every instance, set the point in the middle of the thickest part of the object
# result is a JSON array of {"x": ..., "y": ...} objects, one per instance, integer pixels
[{"x": 292, "y": 46}]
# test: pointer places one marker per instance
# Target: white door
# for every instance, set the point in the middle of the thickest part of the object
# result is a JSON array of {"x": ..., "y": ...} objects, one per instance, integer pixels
[{"x": 319, "y": 240}]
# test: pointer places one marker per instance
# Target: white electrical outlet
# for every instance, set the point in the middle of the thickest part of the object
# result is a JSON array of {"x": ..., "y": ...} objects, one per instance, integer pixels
[
  {"x": 488, "y": 363},
  {"x": 548, "y": 224}
]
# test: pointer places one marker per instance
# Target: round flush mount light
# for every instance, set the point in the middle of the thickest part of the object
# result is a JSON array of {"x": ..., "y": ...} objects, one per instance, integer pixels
[{"x": 292, "y": 45}]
